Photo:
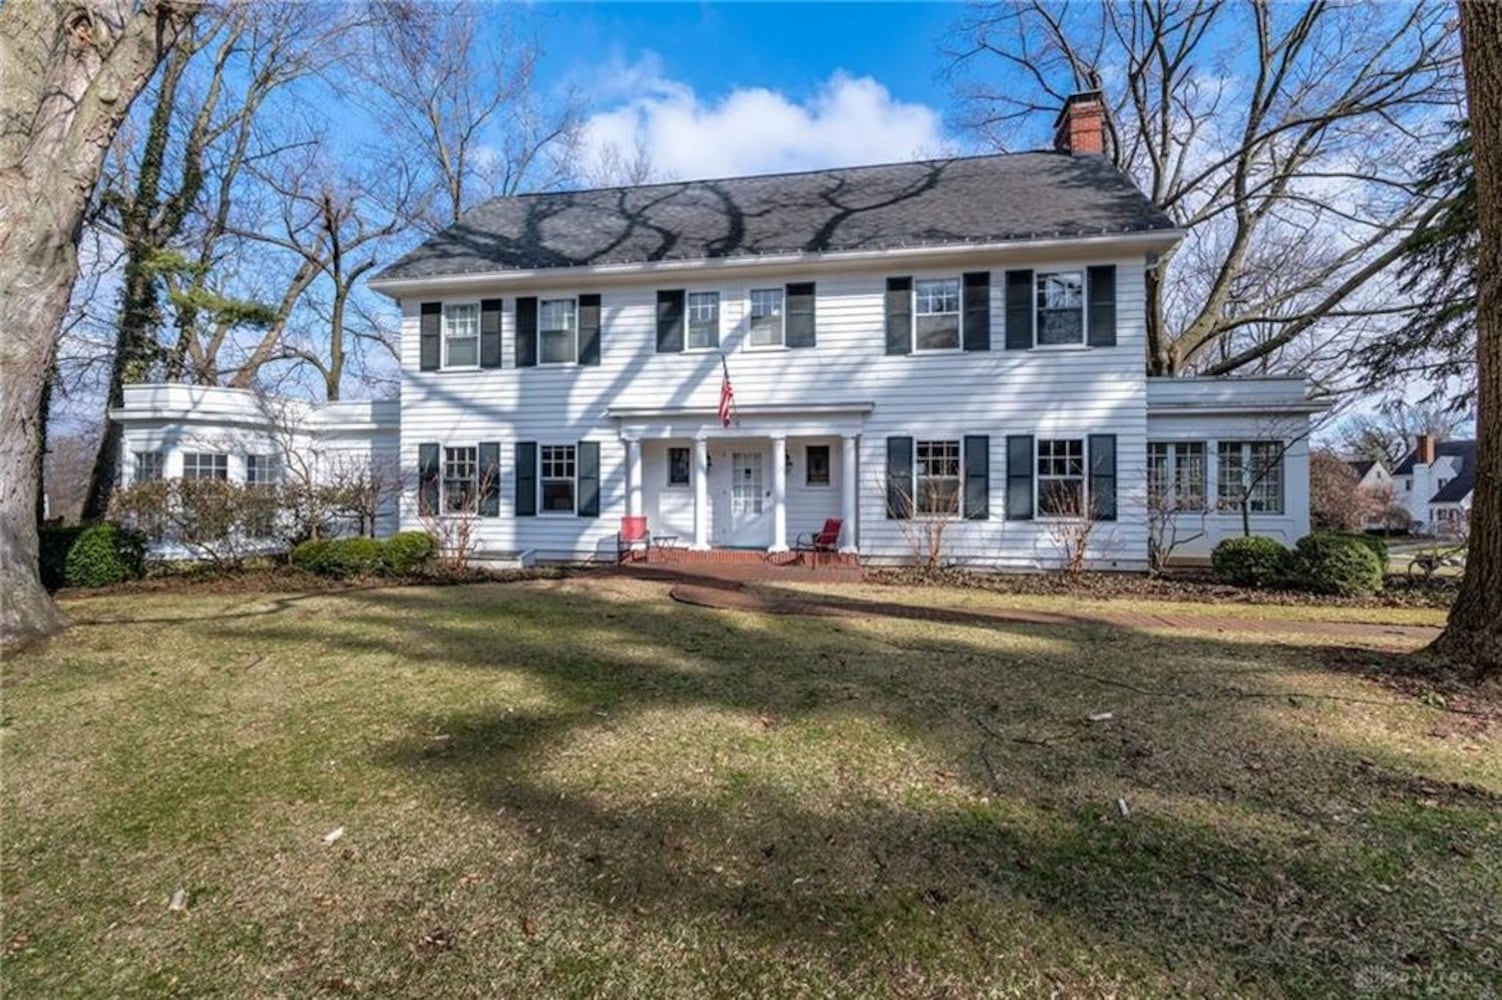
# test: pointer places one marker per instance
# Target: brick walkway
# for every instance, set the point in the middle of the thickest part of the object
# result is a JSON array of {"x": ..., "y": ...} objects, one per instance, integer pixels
[{"x": 725, "y": 592}]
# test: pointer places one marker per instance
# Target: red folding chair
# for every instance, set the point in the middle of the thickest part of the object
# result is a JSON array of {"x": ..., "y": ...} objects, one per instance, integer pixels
[
  {"x": 826, "y": 539},
  {"x": 633, "y": 533}
]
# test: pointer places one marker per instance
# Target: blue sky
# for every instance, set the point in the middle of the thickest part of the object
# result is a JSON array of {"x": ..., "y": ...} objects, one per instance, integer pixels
[
  {"x": 792, "y": 47},
  {"x": 765, "y": 86}
]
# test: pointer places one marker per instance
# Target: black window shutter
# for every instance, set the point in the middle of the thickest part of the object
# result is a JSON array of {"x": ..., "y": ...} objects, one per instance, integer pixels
[
  {"x": 587, "y": 476},
  {"x": 899, "y": 315},
  {"x": 431, "y": 337},
  {"x": 490, "y": 333},
  {"x": 526, "y": 332},
  {"x": 526, "y": 478},
  {"x": 800, "y": 314},
  {"x": 977, "y": 477},
  {"x": 589, "y": 329},
  {"x": 978, "y": 311},
  {"x": 427, "y": 479},
  {"x": 1103, "y": 476},
  {"x": 670, "y": 321},
  {"x": 1101, "y": 291},
  {"x": 1019, "y": 477},
  {"x": 1019, "y": 310},
  {"x": 490, "y": 479},
  {"x": 899, "y": 477}
]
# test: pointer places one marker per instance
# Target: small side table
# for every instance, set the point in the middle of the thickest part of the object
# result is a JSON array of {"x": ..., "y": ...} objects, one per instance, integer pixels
[{"x": 664, "y": 544}]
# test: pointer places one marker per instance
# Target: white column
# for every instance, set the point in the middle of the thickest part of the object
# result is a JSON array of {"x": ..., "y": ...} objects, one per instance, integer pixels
[
  {"x": 701, "y": 495},
  {"x": 779, "y": 494},
  {"x": 847, "y": 493},
  {"x": 633, "y": 477}
]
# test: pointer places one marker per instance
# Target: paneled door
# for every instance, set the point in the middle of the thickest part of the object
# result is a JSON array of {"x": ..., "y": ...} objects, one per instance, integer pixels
[{"x": 745, "y": 500}]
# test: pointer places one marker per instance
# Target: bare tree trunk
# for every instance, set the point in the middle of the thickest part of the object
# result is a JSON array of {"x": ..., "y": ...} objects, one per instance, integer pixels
[
  {"x": 1474, "y": 633},
  {"x": 67, "y": 77}
]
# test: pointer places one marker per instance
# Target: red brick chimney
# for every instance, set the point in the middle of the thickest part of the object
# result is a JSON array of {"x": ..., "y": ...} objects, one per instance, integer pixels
[
  {"x": 1081, "y": 125},
  {"x": 1424, "y": 445}
]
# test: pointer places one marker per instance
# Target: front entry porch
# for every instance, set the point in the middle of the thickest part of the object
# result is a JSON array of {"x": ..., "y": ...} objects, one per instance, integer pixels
[{"x": 752, "y": 488}]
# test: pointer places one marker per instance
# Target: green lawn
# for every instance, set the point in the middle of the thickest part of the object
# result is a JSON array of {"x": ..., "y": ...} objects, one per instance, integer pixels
[{"x": 577, "y": 787}]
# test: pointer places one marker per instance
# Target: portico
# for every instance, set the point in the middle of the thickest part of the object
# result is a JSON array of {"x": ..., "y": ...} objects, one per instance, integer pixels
[{"x": 775, "y": 472}]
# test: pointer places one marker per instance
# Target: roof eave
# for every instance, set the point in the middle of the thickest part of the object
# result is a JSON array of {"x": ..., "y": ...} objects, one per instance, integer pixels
[{"x": 1155, "y": 240}]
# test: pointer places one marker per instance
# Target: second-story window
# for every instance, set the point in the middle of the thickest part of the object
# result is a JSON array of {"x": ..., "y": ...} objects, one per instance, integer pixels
[
  {"x": 936, "y": 314},
  {"x": 461, "y": 336},
  {"x": 1061, "y": 308},
  {"x": 557, "y": 331},
  {"x": 766, "y": 317},
  {"x": 703, "y": 320}
]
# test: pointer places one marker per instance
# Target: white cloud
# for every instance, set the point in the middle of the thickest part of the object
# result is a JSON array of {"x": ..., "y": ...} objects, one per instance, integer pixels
[{"x": 755, "y": 130}]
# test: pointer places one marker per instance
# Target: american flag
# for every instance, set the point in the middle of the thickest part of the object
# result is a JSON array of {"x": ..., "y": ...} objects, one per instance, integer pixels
[{"x": 727, "y": 394}]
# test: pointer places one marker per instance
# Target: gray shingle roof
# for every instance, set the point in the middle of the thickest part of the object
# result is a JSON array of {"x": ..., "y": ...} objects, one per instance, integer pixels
[
  {"x": 1458, "y": 488},
  {"x": 1463, "y": 449},
  {"x": 979, "y": 199}
]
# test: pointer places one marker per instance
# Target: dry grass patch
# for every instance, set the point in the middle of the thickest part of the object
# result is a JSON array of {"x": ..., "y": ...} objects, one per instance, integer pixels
[{"x": 578, "y": 787}]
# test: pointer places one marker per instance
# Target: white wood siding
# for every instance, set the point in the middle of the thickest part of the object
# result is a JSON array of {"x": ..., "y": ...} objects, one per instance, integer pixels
[{"x": 1048, "y": 392}]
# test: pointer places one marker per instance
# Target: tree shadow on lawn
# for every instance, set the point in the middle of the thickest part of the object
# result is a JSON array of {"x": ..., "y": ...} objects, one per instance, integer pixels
[{"x": 1253, "y": 853}]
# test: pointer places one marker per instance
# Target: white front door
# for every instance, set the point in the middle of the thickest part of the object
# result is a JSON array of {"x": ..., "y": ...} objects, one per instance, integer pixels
[{"x": 743, "y": 503}]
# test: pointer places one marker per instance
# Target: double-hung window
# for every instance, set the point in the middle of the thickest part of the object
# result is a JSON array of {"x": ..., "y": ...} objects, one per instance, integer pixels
[
  {"x": 1061, "y": 477},
  {"x": 766, "y": 318},
  {"x": 263, "y": 470},
  {"x": 557, "y": 475},
  {"x": 461, "y": 336},
  {"x": 936, "y": 477},
  {"x": 205, "y": 465},
  {"x": 1176, "y": 475},
  {"x": 558, "y": 331},
  {"x": 1250, "y": 470},
  {"x": 678, "y": 467},
  {"x": 461, "y": 480},
  {"x": 936, "y": 314},
  {"x": 149, "y": 466},
  {"x": 703, "y": 320},
  {"x": 1061, "y": 308}
]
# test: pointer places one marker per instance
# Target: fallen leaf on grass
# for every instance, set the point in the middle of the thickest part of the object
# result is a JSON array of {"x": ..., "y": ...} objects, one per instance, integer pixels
[{"x": 333, "y": 836}]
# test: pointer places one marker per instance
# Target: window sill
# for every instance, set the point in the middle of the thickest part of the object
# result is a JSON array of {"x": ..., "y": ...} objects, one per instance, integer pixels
[
  {"x": 764, "y": 348},
  {"x": 928, "y": 352},
  {"x": 700, "y": 350},
  {"x": 1061, "y": 348},
  {"x": 454, "y": 368}
]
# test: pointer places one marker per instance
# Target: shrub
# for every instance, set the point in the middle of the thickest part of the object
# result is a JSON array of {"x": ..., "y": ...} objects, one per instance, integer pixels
[
  {"x": 55, "y": 541},
  {"x": 406, "y": 552},
  {"x": 339, "y": 557},
  {"x": 1377, "y": 546},
  {"x": 105, "y": 554},
  {"x": 313, "y": 556},
  {"x": 1328, "y": 563},
  {"x": 1251, "y": 561}
]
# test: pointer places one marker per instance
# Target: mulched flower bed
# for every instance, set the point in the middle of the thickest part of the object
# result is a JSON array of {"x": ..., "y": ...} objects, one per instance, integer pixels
[{"x": 1181, "y": 585}]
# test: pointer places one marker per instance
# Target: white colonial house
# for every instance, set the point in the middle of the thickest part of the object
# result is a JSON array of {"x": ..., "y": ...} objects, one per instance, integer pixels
[
  {"x": 1434, "y": 482},
  {"x": 959, "y": 340}
]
